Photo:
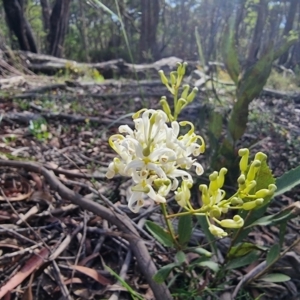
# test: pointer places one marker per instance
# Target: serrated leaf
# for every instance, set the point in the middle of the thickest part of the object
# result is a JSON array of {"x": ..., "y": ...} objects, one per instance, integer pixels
[
  {"x": 159, "y": 233},
  {"x": 185, "y": 227},
  {"x": 273, "y": 254},
  {"x": 287, "y": 181},
  {"x": 180, "y": 257},
  {"x": 275, "y": 277},
  {"x": 242, "y": 261},
  {"x": 163, "y": 273},
  {"x": 209, "y": 264}
]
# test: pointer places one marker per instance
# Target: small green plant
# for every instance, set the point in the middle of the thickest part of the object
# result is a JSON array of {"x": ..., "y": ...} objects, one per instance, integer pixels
[
  {"x": 158, "y": 158},
  {"x": 39, "y": 129}
]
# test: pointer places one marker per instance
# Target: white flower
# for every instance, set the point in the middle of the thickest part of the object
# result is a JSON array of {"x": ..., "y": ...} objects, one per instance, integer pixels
[{"x": 155, "y": 156}]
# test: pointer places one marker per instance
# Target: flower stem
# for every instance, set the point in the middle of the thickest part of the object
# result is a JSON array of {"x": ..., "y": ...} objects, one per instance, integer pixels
[{"x": 169, "y": 225}]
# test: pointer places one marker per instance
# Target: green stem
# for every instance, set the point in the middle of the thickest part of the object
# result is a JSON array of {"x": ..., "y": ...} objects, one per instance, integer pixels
[{"x": 169, "y": 224}]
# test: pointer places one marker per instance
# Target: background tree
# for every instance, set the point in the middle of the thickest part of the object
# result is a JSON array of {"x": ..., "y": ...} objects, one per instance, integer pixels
[{"x": 17, "y": 23}]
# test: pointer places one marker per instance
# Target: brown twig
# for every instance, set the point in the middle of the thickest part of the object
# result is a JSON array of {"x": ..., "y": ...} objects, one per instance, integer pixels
[{"x": 137, "y": 245}]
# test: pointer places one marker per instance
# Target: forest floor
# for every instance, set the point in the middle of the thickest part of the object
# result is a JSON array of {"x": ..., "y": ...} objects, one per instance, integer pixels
[{"x": 68, "y": 135}]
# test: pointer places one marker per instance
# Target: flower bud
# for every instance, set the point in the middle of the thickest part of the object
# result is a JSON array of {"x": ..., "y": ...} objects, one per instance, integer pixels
[
  {"x": 252, "y": 204},
  {"x": 213, "y": 185},
  {"x": 244, "y": 153},
  {"x": 221, "y": 177},
  {"x": 254, "y": 167},
  {"x": 236, "y": 201},
  {"x": 163, "y": 77},
  {"x": 185, "y": 91},
  {"x": 173, "y": 76},
  {"x": 165, "y": 106},
  {"x": 215, "y": 212},
  {"x": 262, "y": 193},
  {"x": 192, "y": 95},
  {"x": 236, "y": 222},
  {"x": 260, "y": 156},
  {"x": 205, "y": 195},
  {"x": 217, "y": 231}
]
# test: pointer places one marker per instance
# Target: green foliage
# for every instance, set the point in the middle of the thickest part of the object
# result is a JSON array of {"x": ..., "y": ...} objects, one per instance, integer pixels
[
  {"x": 229, "y": 53},
  {"x": 288, "y": 181},
  {"x": 38, "y": 128},
  {"x": 185, "y": 227},
  {"x": 159, "y": 233}
]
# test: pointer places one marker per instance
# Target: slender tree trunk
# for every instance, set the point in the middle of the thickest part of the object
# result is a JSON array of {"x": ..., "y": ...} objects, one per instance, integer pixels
[
  {"x": 150, "y": 18},
  {"x": 288, "y": 27},
  {"x": 262, "y": 10},
  {"x": 83, "y": 31},
  {"x": 58, "y": 25},
  {"x": 18, "y": 24},
  {"x": 46, "y": 14}
]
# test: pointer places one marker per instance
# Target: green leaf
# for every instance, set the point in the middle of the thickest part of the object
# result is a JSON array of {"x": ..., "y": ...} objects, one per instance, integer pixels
[
  {"x": 185, "y": 227},
  {"x": 229, "y": 53},
  {"x": 287, "y": 181},
  {"x": 163, "y": 273},
  {"x": 210, "y": 238},
  {"x": 287, "y": 43},
  {"x": 209, "y": 264},
  {"x": 242, "y": 249},
  {"x": 250, "y": 85},
  {"x": 201, "y": 251},
  {"x": 273, "y": 254},
  {"x": 242, "y": 261},
  {"x": 180, "y": 257},
  {"x": 159, "y": 233},
  {"x": 275, "y": 277}
]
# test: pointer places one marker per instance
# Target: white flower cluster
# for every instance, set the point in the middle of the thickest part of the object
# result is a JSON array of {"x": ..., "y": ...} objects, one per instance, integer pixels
[{"x": 155, "y": 156}]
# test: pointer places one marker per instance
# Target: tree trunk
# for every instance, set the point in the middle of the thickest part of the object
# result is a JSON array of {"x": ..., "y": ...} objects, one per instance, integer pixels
[
  {"x": 83, "y": 31},
  {"x": 58, "y": 26},
  {"x": 150, "y": 18},
  {"x": 288, "y": 27},
  {"x": 19, "y": 25},
  {"x": 46, "y": 14},
  {"x": 262, "y": 10}
]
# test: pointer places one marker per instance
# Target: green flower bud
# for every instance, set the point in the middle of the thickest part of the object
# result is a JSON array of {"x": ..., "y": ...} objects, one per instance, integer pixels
[
  {"x": 173, "y": 76},
  {"x": 185, "y": 91},
  {"x": 262, "y": 193},
  {"x": 213, "y": 185},
  {"x": 252, "y": 204},
  {"x": 254, "y": 167},
  {"x": 244, "y": 153},
  {"x": 272, "y": 188},
  {"x": 163, "y": 77},
  {"x": 165, "y": 106},
  {"x": 205, "y": 196},
  {"x": 260, "y": 156},
  {"x": 249, "y": 186},
  {"x": 221, "y": 177},
  {"x": 192, "y": 95},
  {"x": 215, "y": 212},
  {"x": 236, "y": 222},
  {"x": 242, "y": 182},
  {"x": 181, "y": 67},
  {"x": 217, "y": 231},
  {"x": 236, "y": 201}
]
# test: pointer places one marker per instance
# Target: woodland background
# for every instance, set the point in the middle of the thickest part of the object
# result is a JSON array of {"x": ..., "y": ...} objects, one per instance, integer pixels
[{"x": 92, "y": 31}]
